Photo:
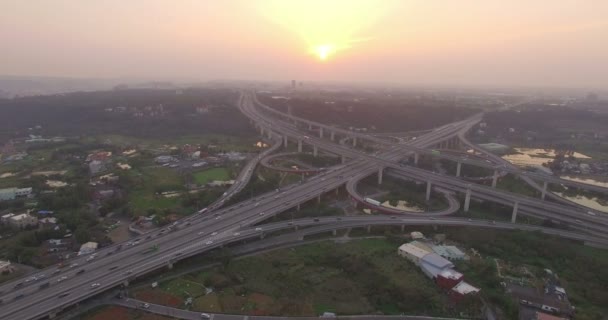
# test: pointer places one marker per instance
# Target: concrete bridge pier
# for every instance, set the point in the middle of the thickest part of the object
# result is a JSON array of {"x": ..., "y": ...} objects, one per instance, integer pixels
[
  {"x": 343, "y": 159},
  {"x": 332, "y": 135},
  {"x": 369, "y": 229},
  {"x": 334, "y": 232},
  {"x": 514, "y": 214},
  {"x": 319, "y": 199},
  {"x": 428, "y": 190},
  {"x": 416, "y": 158},
  {"x": 402, "y": 228},
  {"x": 321, "y": 132},
  {"x": 354, "y": 141},
  {"x": 262, "y": 236},
  {"x": 380, "y": 175},
  {"x": 285, "y": 141},
  {"x": 262, "y": 131},
  {"x": 299, "y": 145},
  {"x": 125, "y": 283},
  {"x": 310, "y": 127},
  {"x": 296, "y": 227},
  {"x": 458, "y": 167},
  {"x": 544, "y": 192},
  {"x": 269, "y": 134},
  {"x": 495, "y": 179},
  {"x": 467, "y": 200},
  {"x": 314, "y": 151},
  {"x": 298, "y": 207}
]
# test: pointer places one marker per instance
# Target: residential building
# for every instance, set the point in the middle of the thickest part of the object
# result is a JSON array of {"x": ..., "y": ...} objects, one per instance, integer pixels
[
  {"x": 416, "y": 235},
  {"x": 412, "y": 252},
  {"x": 87, "y": 248},
  {"x": 5, "y": 218},
  {"x": 6, "y": 267},
  {"x": 433, "y": 264},
  {"x": 96, "y": 167},
  {"x": 450, "y": 252},
  {"x": 462, "y": 289},
  {"x": 23, "y": 220},
  {"x": 449, "y": 278},
  {"x": 165, "y": 159},
  {"x": 14, "y": 193},
  {"x": 422, "y": 245}
]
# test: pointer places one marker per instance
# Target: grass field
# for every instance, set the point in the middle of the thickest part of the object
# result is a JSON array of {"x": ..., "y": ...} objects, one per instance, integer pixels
[
  {"x": 359, "y": 277},
  {"x": 142, "y": 197},
  {"x": 206, "y": 176},
  {"x": 225, "y": 142}
]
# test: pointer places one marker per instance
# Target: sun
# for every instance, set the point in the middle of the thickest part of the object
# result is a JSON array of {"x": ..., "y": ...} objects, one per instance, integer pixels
[{"x": 324, "y": 51}]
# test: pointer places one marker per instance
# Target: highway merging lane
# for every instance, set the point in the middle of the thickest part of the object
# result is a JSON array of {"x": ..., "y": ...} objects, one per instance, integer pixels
[{"x": 111, "y": 266}]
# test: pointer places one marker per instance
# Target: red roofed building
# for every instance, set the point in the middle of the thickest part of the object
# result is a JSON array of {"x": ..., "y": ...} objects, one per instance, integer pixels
[{"x": 448, "y": 279}]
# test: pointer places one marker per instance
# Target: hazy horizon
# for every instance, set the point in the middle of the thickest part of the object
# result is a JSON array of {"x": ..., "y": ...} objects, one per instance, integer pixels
[{"x": 493, "y": 43}]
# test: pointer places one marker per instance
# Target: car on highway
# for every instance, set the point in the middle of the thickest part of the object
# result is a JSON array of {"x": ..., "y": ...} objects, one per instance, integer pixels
[
  {"x": 62, "y": 279},
  {"x": 44, "y": 285},
  {"x": 258, "y": 229},
  {"x": 18, "y": 285},
  {"x": 209, "y": 242},
  {"x": 201, "y": 233},
  {"x": 214, "y": 234},
  {"x": 236, "y": 234},
  {"x": 81, "y": 271},
  {"x": 74, "y": 265},
  {"x": 65, "y": 294},
  {"x": 205, "y": 316},
  {"x": 261, "y": 213},
  {"x": 145, "y": 305},
  {"x": 316, "y": 220},
  {"x": 95, "y": 285},
  {"x": 112, "y": 268},
  {"x": 17, "y": 297},
  {"x": 128, "y": 272}
]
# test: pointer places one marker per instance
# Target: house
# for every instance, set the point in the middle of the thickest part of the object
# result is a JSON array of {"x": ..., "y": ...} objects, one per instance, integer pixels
[
  {"x": 433, "y": 264},
  {"x": 416, "y": 235},
  {"x": 462, "y": 289},
  {"x": 450, "y": 252},
  {"x": 14, "y": 193},
  {"x": 87, "y": 248},
  {"x": 23, "y": 220},
  {"x": 4, "y": 219},
  {"x": 6, "y": 267},
  {"x": 448, "y": 279},
  {"x": 165, "y": 159},
  {"x": 412, "y": 252},
  {"x": 48, "y": 222}
]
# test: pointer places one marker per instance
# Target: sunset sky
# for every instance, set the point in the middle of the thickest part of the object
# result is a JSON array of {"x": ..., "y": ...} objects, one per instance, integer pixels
[{"x": 460, "y": 42}]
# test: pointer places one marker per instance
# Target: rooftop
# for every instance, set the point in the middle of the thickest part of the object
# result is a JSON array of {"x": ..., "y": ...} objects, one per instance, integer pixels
[
  {"x": 413, "y": 250},
  {"x": 451, "y": 274},
  {"x": 465, "y": 288},
  {"x": 437, "y": 261}
]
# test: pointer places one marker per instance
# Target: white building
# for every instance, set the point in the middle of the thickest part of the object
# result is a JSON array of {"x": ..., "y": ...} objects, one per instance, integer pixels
[
  {"x": 416, "y": 235},
  {"x": 412, "y": 252},
  {"x": 5, "y": 266},
  {"x": 23, "y": 220},
  {"x": 87, "y": 248},
  {"x": 13, "y": 193}
]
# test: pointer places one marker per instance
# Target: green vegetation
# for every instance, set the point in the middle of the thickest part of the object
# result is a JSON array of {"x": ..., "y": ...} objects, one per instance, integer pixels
[
  {"x": 359, "y": 277},
  {"x": 206, "y": 176},
  {"x": 148, "y": 182}
]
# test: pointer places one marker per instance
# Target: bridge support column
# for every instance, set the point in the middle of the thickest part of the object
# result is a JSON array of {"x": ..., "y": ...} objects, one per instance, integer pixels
[
  {"x": 369, "y": 229},
  {"x": 262, "y": 235},
  {"x": 321, "y": 132},
  {"x": 289, "y": 109},
  {"x": 514, "y": 214},
  {"x": 494, "y": 178},
  {"x": 125, "y": 283},
  {"x": 380, "y": 175},
  {"x": 310, "y": 127},
  {"x": 298, "y": 207},
  {"x": 416, "y": 158},
  {"x": 402, "y": 228},
  {"x": 319, "y": 199},
  {"x": 467, "y": 200},
  {"x": 428, "y": 190},
  {"x": 332, "y": 135},
  {"x": 337, "y": 190},
  {"x": 314, "y": 151},
  {"x": 458, "y": 167},
  {"x": 343, "y": 158},
  {"x": 285, "y": 141},
  {"x": 354, "y": 141},
  {"x": 335, "y": 232},
  {"x": 262, "y": 131},
  {"x": 544, "y": 192},
  {"x": 170, "y": 265},
  {"x": 299, "y": 145},
  {"x": 269, "y": 134}
]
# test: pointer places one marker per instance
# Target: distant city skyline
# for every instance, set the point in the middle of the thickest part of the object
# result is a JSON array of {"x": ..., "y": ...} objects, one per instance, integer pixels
[{"x": 495, "y": 43}]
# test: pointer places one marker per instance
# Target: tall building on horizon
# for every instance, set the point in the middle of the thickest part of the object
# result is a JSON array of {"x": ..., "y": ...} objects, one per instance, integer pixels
[{"x": 293, "y": 84}]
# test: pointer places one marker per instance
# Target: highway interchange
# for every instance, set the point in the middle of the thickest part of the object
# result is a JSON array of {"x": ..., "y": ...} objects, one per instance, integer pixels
[{"x": 118, "y": 264}]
